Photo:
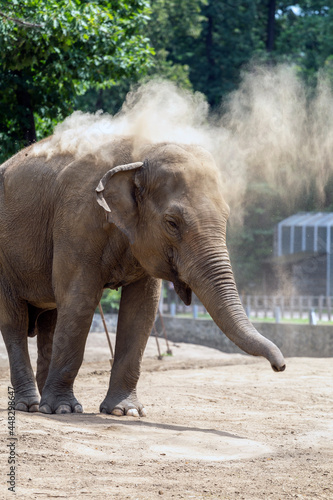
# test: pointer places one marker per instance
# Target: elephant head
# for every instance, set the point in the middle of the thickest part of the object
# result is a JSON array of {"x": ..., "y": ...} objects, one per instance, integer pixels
[{"x": 171, "y": 208}]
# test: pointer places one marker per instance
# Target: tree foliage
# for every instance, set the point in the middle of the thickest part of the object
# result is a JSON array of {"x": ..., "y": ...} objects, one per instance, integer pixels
[
  {"x": 230, "y": 36},
  {"x": 212, "y": 40},
  {"x": 173, "y": 30},
  {"x": 110, "y": 301},
  {"x": 51, "y": 51},
  {"x": 304, "y": 36}
]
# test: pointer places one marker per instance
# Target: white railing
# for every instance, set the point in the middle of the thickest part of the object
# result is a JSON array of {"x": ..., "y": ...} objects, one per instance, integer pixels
[
  {"x": 288, "y": 307},
  {"x": 260, "y": 307}
]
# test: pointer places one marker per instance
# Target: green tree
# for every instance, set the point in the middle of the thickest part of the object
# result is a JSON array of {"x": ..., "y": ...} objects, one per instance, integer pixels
[
  {"x": 110, "y": 301},
  {"x": 304, "y": 36},
  {"x": 53, "y": 50},
  {"x": 173, "y": 30},
  {"x": 230, "y": 36}
]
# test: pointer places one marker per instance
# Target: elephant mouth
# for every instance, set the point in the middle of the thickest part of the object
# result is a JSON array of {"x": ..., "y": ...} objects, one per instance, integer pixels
[{"x": 183, "y": 291}]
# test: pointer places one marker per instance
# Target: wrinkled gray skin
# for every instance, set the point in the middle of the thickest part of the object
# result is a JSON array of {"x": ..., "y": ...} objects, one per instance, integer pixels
[{"x": 62, "y": 241}]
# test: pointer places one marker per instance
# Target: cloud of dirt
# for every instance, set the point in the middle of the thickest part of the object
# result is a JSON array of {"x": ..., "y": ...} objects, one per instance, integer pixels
[
  {"x": 269, "y": 129},
  {"x": 157, "y": 111},
  {"x": 284, "y": 133}
]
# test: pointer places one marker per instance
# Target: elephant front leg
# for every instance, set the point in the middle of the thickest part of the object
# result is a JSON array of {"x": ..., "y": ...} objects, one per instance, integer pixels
[
  {"x": 73, "y": 323},
  {"x": 138, "y": 307}
]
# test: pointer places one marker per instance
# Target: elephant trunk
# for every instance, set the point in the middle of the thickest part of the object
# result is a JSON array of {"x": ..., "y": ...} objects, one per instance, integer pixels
[{"x": 212, "y": 280}]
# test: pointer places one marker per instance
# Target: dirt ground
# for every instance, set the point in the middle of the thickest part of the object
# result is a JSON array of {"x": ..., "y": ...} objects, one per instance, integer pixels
[{"x": 219, "y": 426}]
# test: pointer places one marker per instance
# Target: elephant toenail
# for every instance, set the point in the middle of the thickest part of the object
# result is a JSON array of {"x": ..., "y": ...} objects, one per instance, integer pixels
[
  {"x": 21, "y": 407},
  {"x": 34, "y": 408},
  {"x": 132, "y": 412},
  {"x": 119, "y": 412},
  {"x": 63, "y": 409},
  {"x": 143, "y": 412},
  {"x": 45, "y": 409}
]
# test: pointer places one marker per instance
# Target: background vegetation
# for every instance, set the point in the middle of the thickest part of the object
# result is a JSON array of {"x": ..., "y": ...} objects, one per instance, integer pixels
[{"x": 57, "y": 56}]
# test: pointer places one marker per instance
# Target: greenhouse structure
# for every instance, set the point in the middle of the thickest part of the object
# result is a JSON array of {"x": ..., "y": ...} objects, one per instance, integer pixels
[{"x": 303, "y": 250}]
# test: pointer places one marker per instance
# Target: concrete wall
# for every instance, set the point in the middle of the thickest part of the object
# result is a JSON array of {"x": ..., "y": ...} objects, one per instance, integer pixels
[{"x": 293, "y": 340}]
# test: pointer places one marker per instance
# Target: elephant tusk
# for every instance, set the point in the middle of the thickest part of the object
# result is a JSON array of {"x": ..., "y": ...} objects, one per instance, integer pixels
[{"x": 101, "y": 201}]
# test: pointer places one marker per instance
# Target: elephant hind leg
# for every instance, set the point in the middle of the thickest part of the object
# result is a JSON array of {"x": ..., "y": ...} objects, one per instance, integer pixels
[
  {"x": 14, "y": 328},
  {"x": 45, "y": 327}
]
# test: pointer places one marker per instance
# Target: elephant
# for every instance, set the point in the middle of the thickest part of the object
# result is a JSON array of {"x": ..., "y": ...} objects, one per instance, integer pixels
[{"x": 133, "y": 215}]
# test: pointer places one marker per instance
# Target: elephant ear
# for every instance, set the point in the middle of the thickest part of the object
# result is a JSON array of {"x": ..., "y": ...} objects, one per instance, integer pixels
[{"x": 117, "y": 198}]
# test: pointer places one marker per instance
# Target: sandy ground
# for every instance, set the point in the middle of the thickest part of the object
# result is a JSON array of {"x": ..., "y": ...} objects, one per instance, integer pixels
[{"x": 219, "y": 426}]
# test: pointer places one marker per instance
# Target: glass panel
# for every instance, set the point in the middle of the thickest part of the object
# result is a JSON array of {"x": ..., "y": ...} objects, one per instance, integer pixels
[
  {"x": 322, "y": 240},
  {"x": 309, "y": 237},
  {"x": 298, "y": 240},
  {"x": 285, "y": 240}
]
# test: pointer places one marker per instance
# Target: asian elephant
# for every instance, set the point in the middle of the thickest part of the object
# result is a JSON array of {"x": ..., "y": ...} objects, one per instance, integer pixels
[{"x": 71, "y": 226}]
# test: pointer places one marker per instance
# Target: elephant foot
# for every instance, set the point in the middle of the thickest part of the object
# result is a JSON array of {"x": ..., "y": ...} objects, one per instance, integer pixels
[
  {"x": 128, "y": 405},
  {"x": 27, "y": 403},
  {"x": 59, "y": 404}
]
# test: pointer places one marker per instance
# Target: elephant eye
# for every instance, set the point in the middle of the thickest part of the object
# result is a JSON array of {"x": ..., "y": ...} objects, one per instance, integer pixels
[{"x": 171, "y": 224}]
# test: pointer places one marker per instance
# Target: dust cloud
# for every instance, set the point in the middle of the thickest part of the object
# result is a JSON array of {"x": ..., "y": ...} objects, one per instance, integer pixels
[
  {"x": 272, "y": 129},
  {"x": 282, "y": 130}
]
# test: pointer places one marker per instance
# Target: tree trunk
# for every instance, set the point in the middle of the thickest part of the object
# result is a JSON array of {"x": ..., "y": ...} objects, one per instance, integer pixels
[
  {"x": 28, "y": 130},
  {"x": 270, "y": 26}
]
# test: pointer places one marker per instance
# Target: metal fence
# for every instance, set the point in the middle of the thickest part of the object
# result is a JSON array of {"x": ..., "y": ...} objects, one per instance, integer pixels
[
  {"x": 276, "y": 307},
  {"x": 288, "y": 307}
]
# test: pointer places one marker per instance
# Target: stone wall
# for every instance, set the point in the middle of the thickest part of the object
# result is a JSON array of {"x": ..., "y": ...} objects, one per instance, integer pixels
[{"x": 292, "y": 339}]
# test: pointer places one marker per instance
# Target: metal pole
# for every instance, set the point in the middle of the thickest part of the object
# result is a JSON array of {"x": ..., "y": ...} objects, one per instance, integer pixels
[
  {"x": 157, "y": 343},
  {"x": 164, "y": 333},
  {"x": 106, "y": 332}
]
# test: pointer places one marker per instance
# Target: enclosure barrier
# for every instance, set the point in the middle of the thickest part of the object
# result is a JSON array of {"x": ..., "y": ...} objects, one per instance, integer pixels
[
  {"x": 262, "y": 307},
  {"x": 288, "y": 307},
  {"x": 293, "y": 339}
]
